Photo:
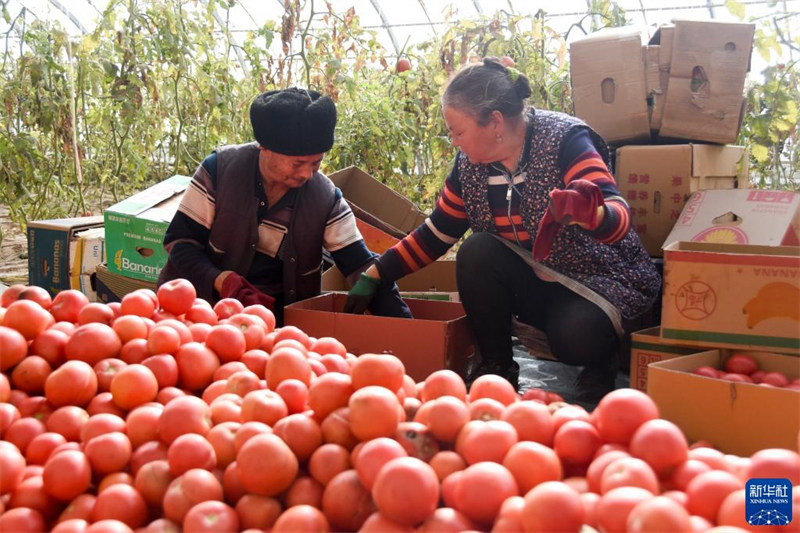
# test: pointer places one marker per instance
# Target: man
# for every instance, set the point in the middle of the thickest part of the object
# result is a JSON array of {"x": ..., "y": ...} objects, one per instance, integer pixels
[{"x": 255, "y": 218}]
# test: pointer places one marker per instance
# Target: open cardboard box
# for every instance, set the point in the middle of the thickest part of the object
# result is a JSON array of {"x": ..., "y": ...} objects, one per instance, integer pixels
[
  {"x": 656, "y": 181},
  {"x": 647, "y": 348},
  {"x": 375, "y": 203},
  {"x": 737, "y": 418},
  {"x": 438, "y": 337},
  {"x": 732, "y": 296}
]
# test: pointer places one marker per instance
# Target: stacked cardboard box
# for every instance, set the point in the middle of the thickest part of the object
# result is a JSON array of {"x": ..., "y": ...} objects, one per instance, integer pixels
[
  {"x": 686, "y": 84},
  {"x": 731, "y": 262},
  {"x": 732, "y": 281},
  {"x": 727, "y": 247},
  {"x": 64, "y": 253},
  {"x": 656, "y": 104}
]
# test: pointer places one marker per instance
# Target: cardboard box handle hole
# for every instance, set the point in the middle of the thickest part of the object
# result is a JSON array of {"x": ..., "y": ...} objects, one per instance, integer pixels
[{"x": 608, "y": 90}]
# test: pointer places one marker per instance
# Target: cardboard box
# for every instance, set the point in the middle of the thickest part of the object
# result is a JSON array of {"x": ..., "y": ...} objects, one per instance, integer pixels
[
  {"x": 663, "y": 39},
  {"x": 135, "y": 229},
  {"x": 707, "y": 71},
  {"x": 52, "y": 251},
  {"x": 737, "y": 418},
  {"x": 647, "y": 348},
  {"x": 740, "y": 216},
  {"x": 436, "y": 281},
  {"x": 656, "y": 181},
  {"x": 90, "y": 252},
  {"x": 111, "y": 287},
  {"x": 375, "y": 203},
  {"x": 438, "y": 337},
  {"x": 732, "y": 296},
  {"x": 608, "y": 84}
]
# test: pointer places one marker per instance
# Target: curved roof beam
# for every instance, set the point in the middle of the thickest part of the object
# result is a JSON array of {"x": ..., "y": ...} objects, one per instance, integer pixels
[
  {"x": 376, "y": 5},
  {"x": 72, "y": 18},
  {"x": 425, "y": 11}
]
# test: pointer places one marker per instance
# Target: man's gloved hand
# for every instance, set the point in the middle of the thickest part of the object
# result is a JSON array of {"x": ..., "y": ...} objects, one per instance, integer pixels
[
  {"x": 578, "y": 204},
  {"x": 235, "y": 286},
  {"x": 360, "y": 296}
]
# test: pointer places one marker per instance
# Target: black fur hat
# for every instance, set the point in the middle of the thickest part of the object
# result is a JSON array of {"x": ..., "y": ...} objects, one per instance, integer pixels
[{"x": 293, "y": 121}]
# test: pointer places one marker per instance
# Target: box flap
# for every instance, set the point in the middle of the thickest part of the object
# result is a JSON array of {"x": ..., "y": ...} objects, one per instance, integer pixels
[
  {"x": 738, "y": 249},
  {"x": 376, "y": 203},
  {"x": 152, "y": 197},
  {"x": 439, "y": 276},
  {"x": 74, "y": 224},
  {"x": 739, "y": 216}
]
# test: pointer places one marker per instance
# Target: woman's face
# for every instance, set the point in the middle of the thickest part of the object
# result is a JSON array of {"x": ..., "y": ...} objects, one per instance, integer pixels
[{"x": 478, "y": 143}]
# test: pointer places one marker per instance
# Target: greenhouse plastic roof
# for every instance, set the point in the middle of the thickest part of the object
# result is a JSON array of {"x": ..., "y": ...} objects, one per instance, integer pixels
[{"x": 400, "y": 23}]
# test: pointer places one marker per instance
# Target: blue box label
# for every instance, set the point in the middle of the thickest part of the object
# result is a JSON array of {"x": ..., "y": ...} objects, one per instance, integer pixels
[{"x": 768, "y": 501}]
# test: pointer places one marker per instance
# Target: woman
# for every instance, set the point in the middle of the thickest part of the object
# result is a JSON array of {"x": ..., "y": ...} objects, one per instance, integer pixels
[{"x": 551, "y": 241}]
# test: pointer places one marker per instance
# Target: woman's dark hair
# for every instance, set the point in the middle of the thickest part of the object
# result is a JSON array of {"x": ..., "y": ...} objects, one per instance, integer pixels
[{"x": 479, "y": 89}]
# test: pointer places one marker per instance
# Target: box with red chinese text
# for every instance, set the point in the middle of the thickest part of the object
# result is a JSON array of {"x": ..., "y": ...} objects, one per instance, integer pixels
[
  {"x": 741, "y": 216},
  {"x": 647, "y": 348},
  {"x": 656, "y": 181}
]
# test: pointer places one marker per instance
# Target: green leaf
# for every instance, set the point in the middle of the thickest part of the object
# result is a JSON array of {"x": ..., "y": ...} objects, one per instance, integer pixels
[
  {"x": 760, "y": 153},
  {"x": 736, "y": 8}
]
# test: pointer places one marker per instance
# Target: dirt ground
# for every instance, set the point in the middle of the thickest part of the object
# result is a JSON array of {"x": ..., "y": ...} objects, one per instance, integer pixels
[{"x": 13, "y": 251}]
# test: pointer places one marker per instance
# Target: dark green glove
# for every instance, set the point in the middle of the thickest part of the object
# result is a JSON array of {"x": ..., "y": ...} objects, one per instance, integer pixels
[{"x": 360, "y": 296}]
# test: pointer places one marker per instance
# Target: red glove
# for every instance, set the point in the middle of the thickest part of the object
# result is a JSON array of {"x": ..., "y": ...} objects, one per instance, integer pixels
[
  {"x": 235, "y": 286},
  {"x": 577, "y": 204}
]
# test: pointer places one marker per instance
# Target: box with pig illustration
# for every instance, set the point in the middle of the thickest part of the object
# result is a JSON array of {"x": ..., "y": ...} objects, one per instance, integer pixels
[{"x": 732, "y": 296}]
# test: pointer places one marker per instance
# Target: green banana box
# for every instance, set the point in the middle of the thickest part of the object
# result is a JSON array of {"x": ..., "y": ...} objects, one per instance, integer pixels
[{"x": 135, "y": 229}]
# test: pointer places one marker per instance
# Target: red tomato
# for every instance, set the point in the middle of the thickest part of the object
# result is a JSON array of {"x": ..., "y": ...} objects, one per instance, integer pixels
[
  {"x": 736, "y": 378},
  {"x": 661, "y": 444},
  {"x": 776, "y": 379},
  {"x": 176, "y": 296},
  {"x": 740, "y": 364},
  {"x": 403, "y": 65},
  {"x": 707, "y": 371},
  {"x": 659, "y": 514},
  {"x": 537, "y": 512},
  {"x": 620, "y": 413},
  {"x": 67, "y": 304}
]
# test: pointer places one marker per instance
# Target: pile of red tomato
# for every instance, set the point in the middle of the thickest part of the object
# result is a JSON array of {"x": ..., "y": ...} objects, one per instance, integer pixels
[
  {"x": 162, "y": 413},
  {"x": 742, "y": 368}
]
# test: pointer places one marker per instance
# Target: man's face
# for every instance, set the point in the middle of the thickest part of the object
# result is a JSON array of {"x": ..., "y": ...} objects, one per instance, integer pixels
[{"x": 288, "y": 170}]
